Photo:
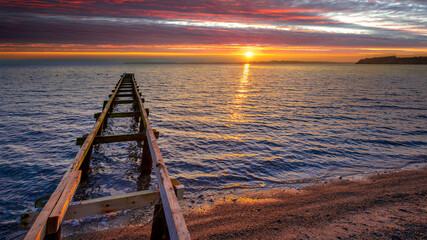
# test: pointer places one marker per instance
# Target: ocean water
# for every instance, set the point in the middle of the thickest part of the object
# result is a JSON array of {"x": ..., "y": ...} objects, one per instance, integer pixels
[{"x": 222, "y": 127}]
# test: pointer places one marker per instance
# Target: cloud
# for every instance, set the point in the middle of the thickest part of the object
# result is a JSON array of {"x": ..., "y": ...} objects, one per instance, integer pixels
[{"x": 356, "y": 23}]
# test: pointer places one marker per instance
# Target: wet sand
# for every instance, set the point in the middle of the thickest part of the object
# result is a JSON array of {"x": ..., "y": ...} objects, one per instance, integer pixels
[{"x": 384, "y": 206}]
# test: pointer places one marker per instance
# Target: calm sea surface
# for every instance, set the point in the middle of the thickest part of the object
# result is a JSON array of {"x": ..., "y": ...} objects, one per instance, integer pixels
[{"x": 222, "y": 127}]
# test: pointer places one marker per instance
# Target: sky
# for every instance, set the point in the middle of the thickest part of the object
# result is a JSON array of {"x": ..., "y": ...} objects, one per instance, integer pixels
[{"x": 213, "y": 30}]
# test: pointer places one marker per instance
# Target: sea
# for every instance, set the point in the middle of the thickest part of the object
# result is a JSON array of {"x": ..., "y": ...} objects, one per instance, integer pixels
[{"x": 224, "y": 128}]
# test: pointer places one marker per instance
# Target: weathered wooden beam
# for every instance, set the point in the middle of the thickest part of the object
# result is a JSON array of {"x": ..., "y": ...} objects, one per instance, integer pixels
[
  {"x": 113, "y": 138},
  {"x": 179, "y": 191},
  {"x": 99, "y": 206},
  {"x": 119, "y": 114},
  {"x": 122, "y": 114},
  {"x": 122, "y": 90},
  {"x": 55, "y": 219},
  {"x": 38, "y": 229},
  {"x": 124, "y": 101},
  {"x": 174, "y": 218},
  {"x": 124, "y": 95},
  {"x": 128, "y": 89},
  {"x": 114, "y": 203},
  {"x": 128, "y": 95}
]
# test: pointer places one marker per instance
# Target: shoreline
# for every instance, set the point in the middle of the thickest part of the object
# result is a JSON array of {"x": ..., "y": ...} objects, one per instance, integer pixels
[{"x": 386, "y": 205}]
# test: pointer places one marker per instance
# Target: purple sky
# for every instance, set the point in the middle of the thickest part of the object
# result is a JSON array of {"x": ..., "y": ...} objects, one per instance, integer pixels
[{"x": 193, "y": 26}]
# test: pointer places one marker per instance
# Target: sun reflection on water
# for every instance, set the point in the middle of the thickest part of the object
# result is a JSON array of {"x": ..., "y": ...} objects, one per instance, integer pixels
[{"x": 240, "y": 96}]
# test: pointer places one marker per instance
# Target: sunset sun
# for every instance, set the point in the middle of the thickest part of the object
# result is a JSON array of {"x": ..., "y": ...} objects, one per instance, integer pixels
[{"x": 249, "y": 54}]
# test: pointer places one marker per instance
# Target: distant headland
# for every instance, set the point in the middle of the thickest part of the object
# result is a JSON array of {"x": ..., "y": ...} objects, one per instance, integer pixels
[{"x": 393, "y": 60}]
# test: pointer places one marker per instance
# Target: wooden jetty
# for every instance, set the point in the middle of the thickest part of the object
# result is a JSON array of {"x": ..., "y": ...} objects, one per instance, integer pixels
[{"x": 168, "y": 221}]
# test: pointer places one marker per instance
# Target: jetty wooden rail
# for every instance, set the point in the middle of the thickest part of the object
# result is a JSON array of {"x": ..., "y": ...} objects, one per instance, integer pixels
[{"x": 168, "y": 221}]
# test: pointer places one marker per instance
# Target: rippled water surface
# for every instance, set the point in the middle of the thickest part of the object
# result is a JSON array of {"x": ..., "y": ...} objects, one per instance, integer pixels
[{"x": 221, "y": 127}]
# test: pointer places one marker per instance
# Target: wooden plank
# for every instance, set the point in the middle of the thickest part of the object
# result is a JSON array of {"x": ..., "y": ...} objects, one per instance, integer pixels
[
  {"x": 179, "y": 191},
  {"x": 119, "y": 114},
  {"x": 123, "y": 101},
  {"x": 55, "y": 219},
  {"x": 114, "y": 203},
  {"x": 124, "y": 95},
  {"x": 113, "y": 138},
  {"x": 174, "y": 218},
  {"x": 38, "y": 229},
  {"x": 122, "y": 91},
  {"x": 99, "y": 206}
]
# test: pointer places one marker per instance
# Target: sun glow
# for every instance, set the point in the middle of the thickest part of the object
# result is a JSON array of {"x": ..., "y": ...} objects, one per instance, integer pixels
[{"x": 249, "y": 54}]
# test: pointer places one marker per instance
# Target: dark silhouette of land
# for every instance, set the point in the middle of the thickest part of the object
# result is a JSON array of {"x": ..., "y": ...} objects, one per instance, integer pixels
[{"x": 393, "y": 60}]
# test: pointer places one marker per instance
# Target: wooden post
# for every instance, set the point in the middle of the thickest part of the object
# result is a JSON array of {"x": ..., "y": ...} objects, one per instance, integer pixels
[
  {"x": 146, "y": 162},
  {"x": 159, "y": 229},
  {"x": 104, "y": 124},
  {"x": 86, "y": 161},
  {"x": 136, "y": 119},
  {"x": 143, "y": 181},
  {"x": 141, "y": 124},
  {"x": 54, "y": 236},
  {"x": 85, "y": 167}
]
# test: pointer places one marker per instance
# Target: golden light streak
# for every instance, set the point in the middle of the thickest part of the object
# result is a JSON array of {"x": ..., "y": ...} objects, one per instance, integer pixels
[
  {"x": 241, "y": 93},
  {"x": 231, "y": 52}
]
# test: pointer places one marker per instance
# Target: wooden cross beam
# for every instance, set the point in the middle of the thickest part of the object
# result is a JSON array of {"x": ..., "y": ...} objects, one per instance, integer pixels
[
  {"x": 119, "y": 114},
  {"x": 104, "y": 205},
  {"x": 113, "y": 138}
]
